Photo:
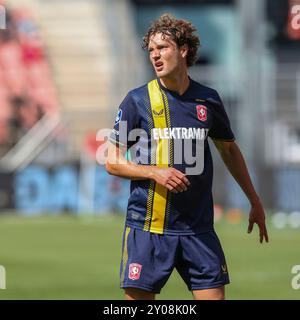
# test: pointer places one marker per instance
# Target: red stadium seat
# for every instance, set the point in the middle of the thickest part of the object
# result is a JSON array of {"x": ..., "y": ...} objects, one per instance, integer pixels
[
  {"x": 14, "y": 72},
  {"x": 24, "y": 75}
]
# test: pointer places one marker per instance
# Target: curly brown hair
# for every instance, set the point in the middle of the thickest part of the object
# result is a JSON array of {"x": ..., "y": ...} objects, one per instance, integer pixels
[{"x": 180, "y": 31}]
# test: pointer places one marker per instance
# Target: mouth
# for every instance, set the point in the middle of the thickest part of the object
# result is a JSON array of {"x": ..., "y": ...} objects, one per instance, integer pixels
[{"x": 159, "y": 65}]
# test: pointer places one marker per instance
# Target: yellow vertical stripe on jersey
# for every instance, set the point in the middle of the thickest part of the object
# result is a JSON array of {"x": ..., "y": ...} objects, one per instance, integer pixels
[
  {"x": 124, "y": 255},
  {"x": 149, "y": 205},
  {"x": 162, "y": 157}
]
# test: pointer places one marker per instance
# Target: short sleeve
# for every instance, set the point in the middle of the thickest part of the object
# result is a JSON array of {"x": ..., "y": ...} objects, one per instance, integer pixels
[
  {"x": 221, "y": 129},
  {"x": 126, "y": 120}
]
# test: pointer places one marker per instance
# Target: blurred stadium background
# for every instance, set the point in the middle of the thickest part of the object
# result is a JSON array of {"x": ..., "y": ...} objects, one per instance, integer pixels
[{"x": 65, "y": 66}]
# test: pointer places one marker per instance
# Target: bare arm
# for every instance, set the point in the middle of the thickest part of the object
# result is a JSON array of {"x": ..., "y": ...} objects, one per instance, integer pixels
[
  {"x": 116, "y": 164},
  {"x": 236, "y": 165}
]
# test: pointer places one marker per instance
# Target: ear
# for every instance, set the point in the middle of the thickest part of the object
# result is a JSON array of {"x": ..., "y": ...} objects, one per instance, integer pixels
[{"x": 184, "y": 50}]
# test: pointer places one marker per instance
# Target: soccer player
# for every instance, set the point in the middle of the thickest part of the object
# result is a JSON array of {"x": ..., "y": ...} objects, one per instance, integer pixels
[{"x": 169, "y": 222}]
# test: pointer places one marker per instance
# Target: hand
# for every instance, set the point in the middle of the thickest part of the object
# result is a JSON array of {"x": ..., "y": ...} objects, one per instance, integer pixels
[
  {"x": 171, "y": 178},
  {"x": 257, "y": 215}
]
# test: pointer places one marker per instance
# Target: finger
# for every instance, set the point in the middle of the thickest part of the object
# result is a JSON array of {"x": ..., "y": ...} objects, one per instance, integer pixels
[
  {"x": 182, "y": 177},
  {"x": 266, "y": 234},
  {"x": 175, "y": 183},
  {"x": 179, "y": 183},
  {"x": 250, "y": 226},
  {"x": 263, "y": 233},
  {"x": 261, "y": 237},
  {"x": 186, "y": 181},
  {"x": 171, "y": 188}
]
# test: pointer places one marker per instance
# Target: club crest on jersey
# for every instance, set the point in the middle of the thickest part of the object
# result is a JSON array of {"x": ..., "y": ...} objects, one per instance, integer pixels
[
  {"x": 201, "y": 112},
  {"x": 118, "y": 117},
  {"x": 134, "y": 271}
]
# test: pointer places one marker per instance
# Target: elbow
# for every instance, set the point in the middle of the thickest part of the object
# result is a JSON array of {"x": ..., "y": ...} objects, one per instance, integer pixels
[
  {"x": 110, "y": 168},
  {"x": 226, "y": 151}
]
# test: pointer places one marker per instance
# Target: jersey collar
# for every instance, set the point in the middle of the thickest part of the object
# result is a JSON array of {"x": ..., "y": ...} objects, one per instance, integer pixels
[{"x": 186, "y": 94}]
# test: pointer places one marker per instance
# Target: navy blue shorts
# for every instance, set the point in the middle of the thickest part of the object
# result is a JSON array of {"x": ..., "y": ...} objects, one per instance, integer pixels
[{"x": 148, "y": 260}]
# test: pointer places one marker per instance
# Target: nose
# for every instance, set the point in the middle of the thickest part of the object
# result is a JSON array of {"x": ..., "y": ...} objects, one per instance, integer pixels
[{"x": 155, "y": 54}]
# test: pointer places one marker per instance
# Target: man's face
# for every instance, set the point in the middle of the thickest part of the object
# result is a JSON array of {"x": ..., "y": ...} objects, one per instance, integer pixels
[{"x": 165, "y": 56}]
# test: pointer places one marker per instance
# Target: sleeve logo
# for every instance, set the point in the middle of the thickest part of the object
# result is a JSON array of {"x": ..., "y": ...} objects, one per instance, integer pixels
[{"x": 118, "y": 117}]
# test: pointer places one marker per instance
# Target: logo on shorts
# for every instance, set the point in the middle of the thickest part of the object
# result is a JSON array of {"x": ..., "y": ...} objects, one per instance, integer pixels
[
  {"x": 224, "y": 268},
  {"x": 201, "y": 112},
  {"x": 134, "y": 271}
]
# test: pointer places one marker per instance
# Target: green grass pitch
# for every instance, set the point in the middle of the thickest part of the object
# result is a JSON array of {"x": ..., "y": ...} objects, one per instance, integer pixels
[{"x": 69, "y": 257}]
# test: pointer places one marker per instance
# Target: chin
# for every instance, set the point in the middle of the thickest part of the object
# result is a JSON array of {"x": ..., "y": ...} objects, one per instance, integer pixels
[{"x": 162, "y": 74}]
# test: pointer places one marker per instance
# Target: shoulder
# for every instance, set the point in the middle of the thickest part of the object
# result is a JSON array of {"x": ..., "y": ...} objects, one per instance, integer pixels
[
  {"x": 133, "y": 100},
  {"x": 138, "y": 93},
  {"x": 133, "y": 97}
]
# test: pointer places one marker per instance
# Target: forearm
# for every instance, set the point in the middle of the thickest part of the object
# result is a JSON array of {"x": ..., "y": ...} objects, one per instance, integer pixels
[
  {"x": 116, "y": 164},
  {"x": 130, "y": 170},
  {"x": 236, "y": 165},
  {"x": 170, "y": 178}
]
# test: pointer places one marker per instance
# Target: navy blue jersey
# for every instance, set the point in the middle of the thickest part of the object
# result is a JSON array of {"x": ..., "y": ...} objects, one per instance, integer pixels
[{"x": 167, "y": 118}]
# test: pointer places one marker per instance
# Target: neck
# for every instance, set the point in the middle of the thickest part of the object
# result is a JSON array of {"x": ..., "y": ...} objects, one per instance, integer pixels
[{"x": 178, "y": 83}]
